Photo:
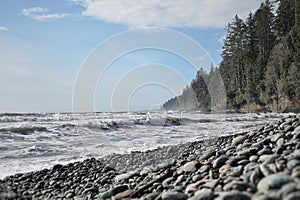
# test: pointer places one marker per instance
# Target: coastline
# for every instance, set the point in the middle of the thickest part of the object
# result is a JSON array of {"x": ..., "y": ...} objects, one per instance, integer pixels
[{"x": 264, "y": 163}]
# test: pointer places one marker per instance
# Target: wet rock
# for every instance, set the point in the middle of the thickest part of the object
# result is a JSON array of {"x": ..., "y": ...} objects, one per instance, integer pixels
[
  {"x": 127, "y": 175},
  {"x": 173, "y": 195},
  {"x": 236, "y": 185},
  {"x": 253, "y": 158},
  {"x": 238, "y": 140},
  {"x": 114, "y": 191},
  {"x": 296, "y": 130},
  {"x": 236, "y": 171},
  {"x": 233, "y": 195},
  {"x": 265, "y": 151},
  {"x": 190, "y": 166},
  {"x": 219, "y": 162},
  {"x": 152, "y": 196},
  {"x": 287, "y": 189},
  {"x": 273, "y": 181},
  {"x": 204, "y": 168},
  {"x": 203, "y": 194},
  {"x": 293, "y": 163},
  {"x": 293, "y": 196},
  {"x": 166, "y": 182}
]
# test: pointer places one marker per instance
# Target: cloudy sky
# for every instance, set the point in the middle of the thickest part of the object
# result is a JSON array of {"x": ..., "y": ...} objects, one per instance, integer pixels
[{"x": 45, "y": 45}]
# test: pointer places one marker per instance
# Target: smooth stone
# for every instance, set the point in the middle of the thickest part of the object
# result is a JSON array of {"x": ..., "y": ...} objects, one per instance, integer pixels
[
  {"x": 211, "y": 184},
  {"x": 178, "y": 180},
  {"x": 196, "y": 178},
  {"x": 236, "y": 195},
  {"x": 127, "y": 175},
  {"x": 237, "y": 171},
  {"x": 144, "y": 172},
  {"x": 276, "y": 137},
  {"x": 238, "y": 140},
  {"x": 236, "y": 185},
  {"x": 243, "y": 162},
  {"x": 69, "y": 195},
  {"x": 166, "y": 182},
  {"x": 250, "y": 166},
  {"x": 190, "y": 166},
  {"x": 271, "y": 159},
  {"x": 273, "y": 181},
  {"x": 265, "y": 170},
  {"x": 289, "y": 128},
  {"x": 293, "y": 163},
  {"x": 287, "y": 189},
  {"x": 262, "y": 197},
  {"x": 296, "y": 172},
  {"x": 234, "y": 160},
  {"x": 224, "y": 169},
  {"x": 264, "y": 151},
  {"x": 273, "y": 168},
  {"x": 114, "y": 191},
  {"x": 293, "y": 196},
  {"x": 263, "y": 158},
  {"x": 253, "y": 158},
  {"x": 296, "y": 136},
  {"x": 173, "y": 195},
  {"x": 219, "y": 162},
  {"x": 204, "y": 168},
  {"x": 191, "y": 188},
  {"x": 152, "y": 196},
  {"x": 255, "y": 176},
  {"x": 203, "y": 194},
  {"x": 296, "y": 153},
  {"x": 296, "y": 130},
  {"x": 91, "y": 189},
  {"x": 57, "y": 167},
  {"x": 280, "y": 142}
]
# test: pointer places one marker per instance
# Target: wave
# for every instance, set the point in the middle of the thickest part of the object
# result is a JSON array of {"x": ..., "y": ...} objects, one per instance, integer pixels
[
  {"x": 24, "y": 130},
  {"x": 131, "y": 123}
]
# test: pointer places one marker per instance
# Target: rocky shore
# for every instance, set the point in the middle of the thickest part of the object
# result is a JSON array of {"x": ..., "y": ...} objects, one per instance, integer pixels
[{"x": 261, "y": 164}]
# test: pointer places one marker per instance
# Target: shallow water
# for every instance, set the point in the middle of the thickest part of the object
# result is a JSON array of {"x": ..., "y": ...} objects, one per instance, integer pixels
[{"x": 36, "y": 141}]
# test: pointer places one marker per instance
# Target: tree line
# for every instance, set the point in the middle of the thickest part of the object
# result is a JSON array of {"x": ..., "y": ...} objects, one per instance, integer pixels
[{"x": 260, "y": 65}]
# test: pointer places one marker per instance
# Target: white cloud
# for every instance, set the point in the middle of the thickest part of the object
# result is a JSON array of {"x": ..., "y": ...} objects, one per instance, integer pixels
[
  {"x": 3, "y": 28},
  {"x": 42, "y": 14},
  {"x": 202, "y": 57},
  {"x": 168, "y": 13}
]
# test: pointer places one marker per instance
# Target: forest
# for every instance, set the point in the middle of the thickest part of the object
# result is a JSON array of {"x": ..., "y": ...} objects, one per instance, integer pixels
[{"x": 260, "y": 65}]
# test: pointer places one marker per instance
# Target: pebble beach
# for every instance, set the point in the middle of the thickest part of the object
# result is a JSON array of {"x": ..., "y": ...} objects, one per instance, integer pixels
[{"x": 259, "y": 164}]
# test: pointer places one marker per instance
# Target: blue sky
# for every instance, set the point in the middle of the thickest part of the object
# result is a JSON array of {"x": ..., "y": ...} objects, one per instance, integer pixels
[{"x": 44, "y": 44}]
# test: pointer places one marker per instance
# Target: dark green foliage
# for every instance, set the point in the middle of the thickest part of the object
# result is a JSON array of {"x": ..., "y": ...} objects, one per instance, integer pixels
[{"x": 261, "y": 62}]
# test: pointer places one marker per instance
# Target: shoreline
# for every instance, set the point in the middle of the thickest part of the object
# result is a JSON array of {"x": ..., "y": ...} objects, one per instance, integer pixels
[{"x": 257, "y": 164}]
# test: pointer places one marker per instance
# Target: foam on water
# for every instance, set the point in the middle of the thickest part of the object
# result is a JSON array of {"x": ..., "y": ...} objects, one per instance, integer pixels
[{"x": 35, "y": 141}]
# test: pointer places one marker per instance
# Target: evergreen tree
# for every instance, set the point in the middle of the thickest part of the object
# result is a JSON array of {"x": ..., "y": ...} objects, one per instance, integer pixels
[
  {"x": 285, "y": 21},
  {"x": 260, "y": 66}
]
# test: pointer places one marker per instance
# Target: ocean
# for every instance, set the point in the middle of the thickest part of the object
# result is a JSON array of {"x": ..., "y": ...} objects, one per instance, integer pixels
[{"x": 35, "y": 141}]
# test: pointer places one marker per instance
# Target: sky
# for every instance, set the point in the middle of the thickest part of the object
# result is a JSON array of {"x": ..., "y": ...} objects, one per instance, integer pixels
[{"x": 47, "y": 46}]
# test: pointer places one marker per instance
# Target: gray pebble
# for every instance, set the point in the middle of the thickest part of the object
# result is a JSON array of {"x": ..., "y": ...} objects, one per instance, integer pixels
[
  {"x": 293, "y": 163},
  {"x": 219, "y": 162},
  {"x": 173, "y": 195},
  {"x": 190, "y": 166},
  {"x": 238, "y": 140},
  {"x": 273, "y": 181},
  {"x": 204, "y": 168},
  {"x": 293, "y": 196},
  {"x": 203, "y": 194},
  {"x": 233, "y": 195}
]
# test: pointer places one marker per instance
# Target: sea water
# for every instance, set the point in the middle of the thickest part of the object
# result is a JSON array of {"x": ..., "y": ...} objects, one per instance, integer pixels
[{"x": 34, "y": 141}]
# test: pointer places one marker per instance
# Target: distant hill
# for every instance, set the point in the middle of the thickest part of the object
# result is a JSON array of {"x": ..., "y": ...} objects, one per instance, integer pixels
[{"x": 260, "y": 66}]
